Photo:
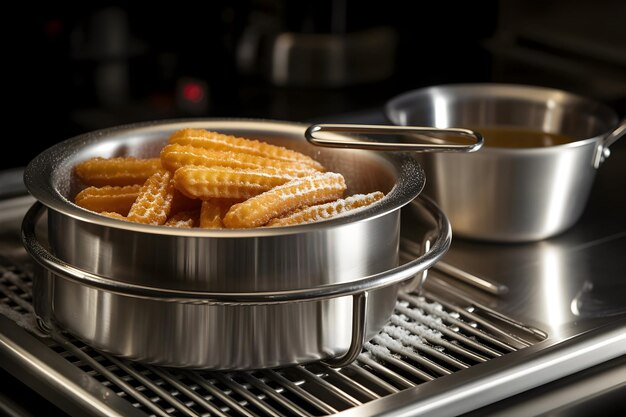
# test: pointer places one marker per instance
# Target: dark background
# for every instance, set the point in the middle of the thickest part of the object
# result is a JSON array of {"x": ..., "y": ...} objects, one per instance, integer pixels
[{"x": 72, "y": 70}]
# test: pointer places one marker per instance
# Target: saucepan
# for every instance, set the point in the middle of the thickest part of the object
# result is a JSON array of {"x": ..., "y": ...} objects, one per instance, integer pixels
[
  {"x": 512, "y": 190},
  {"x": 223, "y": 299}
]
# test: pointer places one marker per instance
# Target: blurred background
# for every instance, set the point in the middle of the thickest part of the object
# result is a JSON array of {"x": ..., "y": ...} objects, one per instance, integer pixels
[{"x": 85, "y": 67}]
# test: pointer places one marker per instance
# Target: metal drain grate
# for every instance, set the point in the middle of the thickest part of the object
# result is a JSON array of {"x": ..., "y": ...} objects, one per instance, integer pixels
[{"x": 428, "y": 337}]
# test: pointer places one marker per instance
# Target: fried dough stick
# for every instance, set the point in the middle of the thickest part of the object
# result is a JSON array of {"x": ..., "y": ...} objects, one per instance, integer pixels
[
  {"x": 212, "y": 140},
  {"x": 108, "y": 198},
  {"x": 213, "y": 211},
  {"x": 183, "y": 219},
  {"x": 100, "y": 172},
  {"x": 282, "y": 199},
  {"x": 220, "y": 182},
  {"x": 154, "y": 202},
  {"x": 328, "y": 210},
  {"x": 175, "y": 156}
]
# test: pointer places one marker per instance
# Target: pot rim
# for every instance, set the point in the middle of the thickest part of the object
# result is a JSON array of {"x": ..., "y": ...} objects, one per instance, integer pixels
[
  {"x": 354, "y": 287},
  {"x": 509, "y": 90},
  {"x": 41, "y": 172}
]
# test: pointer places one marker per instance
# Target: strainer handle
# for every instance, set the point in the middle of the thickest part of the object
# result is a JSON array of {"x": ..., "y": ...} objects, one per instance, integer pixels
[{"x": 312, "y": 136}]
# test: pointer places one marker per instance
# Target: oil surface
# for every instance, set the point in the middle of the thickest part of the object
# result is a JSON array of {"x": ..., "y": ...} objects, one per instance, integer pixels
[{"x": 513, "y": 137}]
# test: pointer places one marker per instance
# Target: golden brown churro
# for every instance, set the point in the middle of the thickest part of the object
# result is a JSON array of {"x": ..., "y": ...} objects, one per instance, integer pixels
[
  {"x": 108, "y": 198},
  {"x": 175, "y": 156},
  {"x": 210, "y": 215},
  {"x": 211, "y": 180},
  {"x": 154, "y": 202},
  {"x": 100, "y": 172},
  {"x": 300, "y": 192},
  {"x": 328, "y": 210},
  {"x": 214, "y": 210},
  {"x": 212, "y": 140},
  {"x": 219, "y": 182},
  {"x": 184, "y": 219},
  {"x": 113, "y": 215}
]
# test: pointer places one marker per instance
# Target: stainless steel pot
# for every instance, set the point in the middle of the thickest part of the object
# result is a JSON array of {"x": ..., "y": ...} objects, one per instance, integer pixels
[
  {"x": 227, "y": 299},
  {"x": 505, "y": 194}
]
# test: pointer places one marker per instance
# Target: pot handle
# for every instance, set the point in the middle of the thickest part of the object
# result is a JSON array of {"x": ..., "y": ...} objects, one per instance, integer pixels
[
  {"x": 329, "y": 141},
  {"x": 357, "y": 340},
  {"x": 603, "y": 151}
]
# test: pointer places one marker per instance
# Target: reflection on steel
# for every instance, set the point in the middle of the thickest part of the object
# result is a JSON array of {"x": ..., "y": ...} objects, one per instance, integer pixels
[{"x": 412, "y": 248}]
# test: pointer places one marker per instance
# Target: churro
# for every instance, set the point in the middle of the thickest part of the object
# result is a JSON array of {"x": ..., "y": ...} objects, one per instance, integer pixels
[
  {"x": 212, "y": 140},
  {"x": 154, "y": 202},
  {"x": 328, "y": 210},
  {"x": 175, "y": 156},
  {"x": 300, "y": 192},
  {"x": 219, "y": 182},
  {"x": 100, "y": 172},
  {"x": 210, "y": 215},
  {"x": 213, "y": 211},
  {"x": 183, "y": 219},
  {"x": 108, "y": 198},
  {"x": 113, "y": 215},
  {"x": 212, "y": 180}
]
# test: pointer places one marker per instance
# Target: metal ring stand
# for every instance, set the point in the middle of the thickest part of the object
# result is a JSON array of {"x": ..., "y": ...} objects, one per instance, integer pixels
[{"x": 358, "y": 289}]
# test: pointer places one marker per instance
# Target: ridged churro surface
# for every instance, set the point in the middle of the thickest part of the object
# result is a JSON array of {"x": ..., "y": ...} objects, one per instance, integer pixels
[
  {"x": 217, "y": 141},
  {"x": 280, "y": 200},
  {"x": 100, "y": 172},
  {"x": 175, "y": 156},
  {"x": 220, "y": 182},
  {"x": 108, "y": 198},
  {"x": 154, "y": 202},
  {"x": 328, "y": 210}
]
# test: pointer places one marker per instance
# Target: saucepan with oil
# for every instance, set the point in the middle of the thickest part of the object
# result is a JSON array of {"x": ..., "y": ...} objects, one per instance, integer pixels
[{"x": 532, "y": 178}]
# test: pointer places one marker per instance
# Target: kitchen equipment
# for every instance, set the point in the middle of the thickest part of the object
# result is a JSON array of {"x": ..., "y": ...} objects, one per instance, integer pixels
[
  {"x": 504, "y": 194},
  {"x": 227, "y": 299}
]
